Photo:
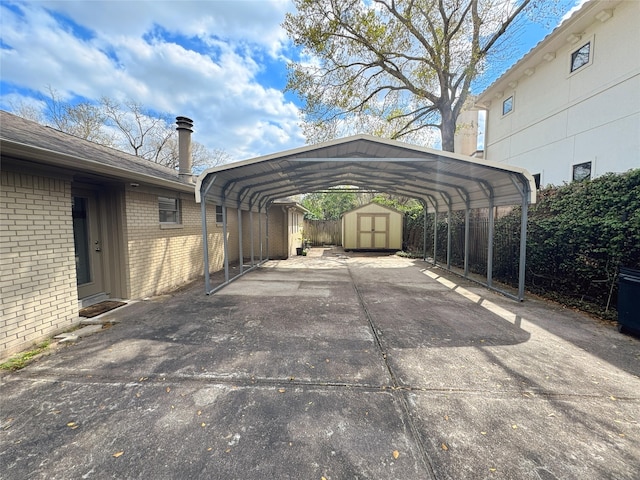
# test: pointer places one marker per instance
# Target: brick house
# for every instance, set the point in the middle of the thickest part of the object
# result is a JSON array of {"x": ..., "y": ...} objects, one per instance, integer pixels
[
  {"x": 80, "y": 223},
  {"x": 288, "y": 216}
]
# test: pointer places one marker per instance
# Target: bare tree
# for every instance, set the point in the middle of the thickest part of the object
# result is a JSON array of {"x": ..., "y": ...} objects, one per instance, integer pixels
[
  {"x": 127, "y": 126},
  {"x": 26, "y": 110},
  {"x": 393, "y": 68},
  {"x": 83, "y": 119},
  {"x": 143, "y": 133},
  {"x": 202, "y": 157}
]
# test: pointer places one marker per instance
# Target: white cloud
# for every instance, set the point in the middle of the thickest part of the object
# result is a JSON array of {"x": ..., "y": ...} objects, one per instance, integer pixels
[{"x": 201, "y": 59}]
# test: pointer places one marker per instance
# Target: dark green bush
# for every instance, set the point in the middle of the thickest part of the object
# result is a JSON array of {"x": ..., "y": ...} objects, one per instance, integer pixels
[
  {"x": 580, "y": 234},
  {"x": 578, "y": 237}
]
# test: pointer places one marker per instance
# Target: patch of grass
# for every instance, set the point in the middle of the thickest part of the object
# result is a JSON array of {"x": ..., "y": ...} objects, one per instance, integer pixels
[
  {"x": 22, "y": 359},
  {"x": 409, "y": 254}
]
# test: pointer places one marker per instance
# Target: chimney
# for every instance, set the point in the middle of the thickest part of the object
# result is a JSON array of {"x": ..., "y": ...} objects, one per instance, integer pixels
[{"x": 184, "y": 128}]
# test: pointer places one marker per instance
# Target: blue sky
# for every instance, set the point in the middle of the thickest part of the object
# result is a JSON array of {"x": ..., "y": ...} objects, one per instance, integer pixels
[{"x": 222, "y": 63}]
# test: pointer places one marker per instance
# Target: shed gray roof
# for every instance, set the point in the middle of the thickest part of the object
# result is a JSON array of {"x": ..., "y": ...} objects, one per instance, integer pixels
[
  {"x": 439, "y": 178},
  {"x": 29, "y": 141}
]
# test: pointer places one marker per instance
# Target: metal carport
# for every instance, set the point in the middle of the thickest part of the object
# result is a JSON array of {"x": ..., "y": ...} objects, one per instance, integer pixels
[{"x": 443, "y": 182}]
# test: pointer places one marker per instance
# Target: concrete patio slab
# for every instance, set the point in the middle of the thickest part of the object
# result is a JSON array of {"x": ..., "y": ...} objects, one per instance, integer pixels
[{"x": 331, "y": 366}]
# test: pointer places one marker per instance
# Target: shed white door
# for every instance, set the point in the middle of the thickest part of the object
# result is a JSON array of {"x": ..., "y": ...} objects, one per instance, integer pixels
[{"x": 373, "y": 230}]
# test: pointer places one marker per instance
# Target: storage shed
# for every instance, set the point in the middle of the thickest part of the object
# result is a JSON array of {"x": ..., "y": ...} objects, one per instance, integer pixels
[{"x": 372, "y": 227}]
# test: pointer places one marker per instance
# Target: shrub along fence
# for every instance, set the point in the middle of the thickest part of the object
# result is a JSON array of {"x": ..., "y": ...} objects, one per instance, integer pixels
[
  {"x": 578, "y": 237},
  {"x": 506, "y": 241}
]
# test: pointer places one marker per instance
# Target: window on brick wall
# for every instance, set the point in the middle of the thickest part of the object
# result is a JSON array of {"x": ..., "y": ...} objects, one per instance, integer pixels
[
  {"x": 219, "y": 214},
  {"x": 169, "y": 210}
]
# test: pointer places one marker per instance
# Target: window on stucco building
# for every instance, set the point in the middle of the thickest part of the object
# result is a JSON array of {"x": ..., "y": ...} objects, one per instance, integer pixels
[
  {"x": 581, "y": 57},
  {"x": 581, "y": 171},
  {"x": 536, "y": 177},
  {"x": 507, "y": 105}
]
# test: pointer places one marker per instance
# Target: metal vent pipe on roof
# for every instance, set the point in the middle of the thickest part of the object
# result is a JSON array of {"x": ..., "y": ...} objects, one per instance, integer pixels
[{"x": 185, "y": 128}]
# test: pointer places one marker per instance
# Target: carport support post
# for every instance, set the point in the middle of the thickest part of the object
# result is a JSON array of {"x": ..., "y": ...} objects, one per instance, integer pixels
[
  {"x": 424, "y": 231},
  {"x": 466, "y": 241},
  {"x": 240, "y": 241},
  {"x": 225, "y": 243},
  {"x": 251, "y": 234},
  {"x": 523, "y": 243},
  {"x": 435, "y": 236},
  {"x": 490, "y": 244},
  {"x": 449, "y": 237},
  {"x": 267, "y": 232},
  {"x": 205, "y": 244},
  {"x": 260, "y": 232}
]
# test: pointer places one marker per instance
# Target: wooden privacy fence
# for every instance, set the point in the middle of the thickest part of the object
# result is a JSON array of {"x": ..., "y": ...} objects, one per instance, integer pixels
[{"x": 323, "y": 232}]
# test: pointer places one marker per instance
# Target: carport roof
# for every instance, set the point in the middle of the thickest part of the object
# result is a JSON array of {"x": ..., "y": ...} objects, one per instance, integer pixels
[{"x": 441, "y": 179}]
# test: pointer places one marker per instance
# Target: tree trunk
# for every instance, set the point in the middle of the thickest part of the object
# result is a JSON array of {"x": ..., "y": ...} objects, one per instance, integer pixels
[{"x": 448, "y": 130}]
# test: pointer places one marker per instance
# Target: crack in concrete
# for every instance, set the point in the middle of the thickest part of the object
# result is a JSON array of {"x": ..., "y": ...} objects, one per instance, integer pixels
[{"x": 408, "y": 420}]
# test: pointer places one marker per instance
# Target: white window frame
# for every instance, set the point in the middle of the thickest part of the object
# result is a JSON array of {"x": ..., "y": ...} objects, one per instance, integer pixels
[
  {"x": 513, "y": 103},
  {"x": 589, "y": 41},
  {"x": 219, "y": 216},
  {"x": 175, "y": 209}
]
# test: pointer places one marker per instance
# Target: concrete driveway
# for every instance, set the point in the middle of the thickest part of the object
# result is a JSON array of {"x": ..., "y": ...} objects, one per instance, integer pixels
[{"x": 331, "y": 366}]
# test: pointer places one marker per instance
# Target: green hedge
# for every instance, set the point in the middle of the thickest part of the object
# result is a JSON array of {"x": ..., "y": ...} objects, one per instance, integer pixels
[{"x": 578, "y": 237}]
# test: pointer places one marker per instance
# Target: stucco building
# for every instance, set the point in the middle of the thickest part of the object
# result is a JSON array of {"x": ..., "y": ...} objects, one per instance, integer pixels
[{"x": 570, "y": 108}]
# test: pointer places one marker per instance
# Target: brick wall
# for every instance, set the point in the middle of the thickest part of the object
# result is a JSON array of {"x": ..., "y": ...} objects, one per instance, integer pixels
[
  {"x": 163, "y": 257},
  {"x": 277, "y": 233},
  {"x": 38, "y": 281},
  {"x": 285, "y": 231},
  {"x": 246, "y": 235}
]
